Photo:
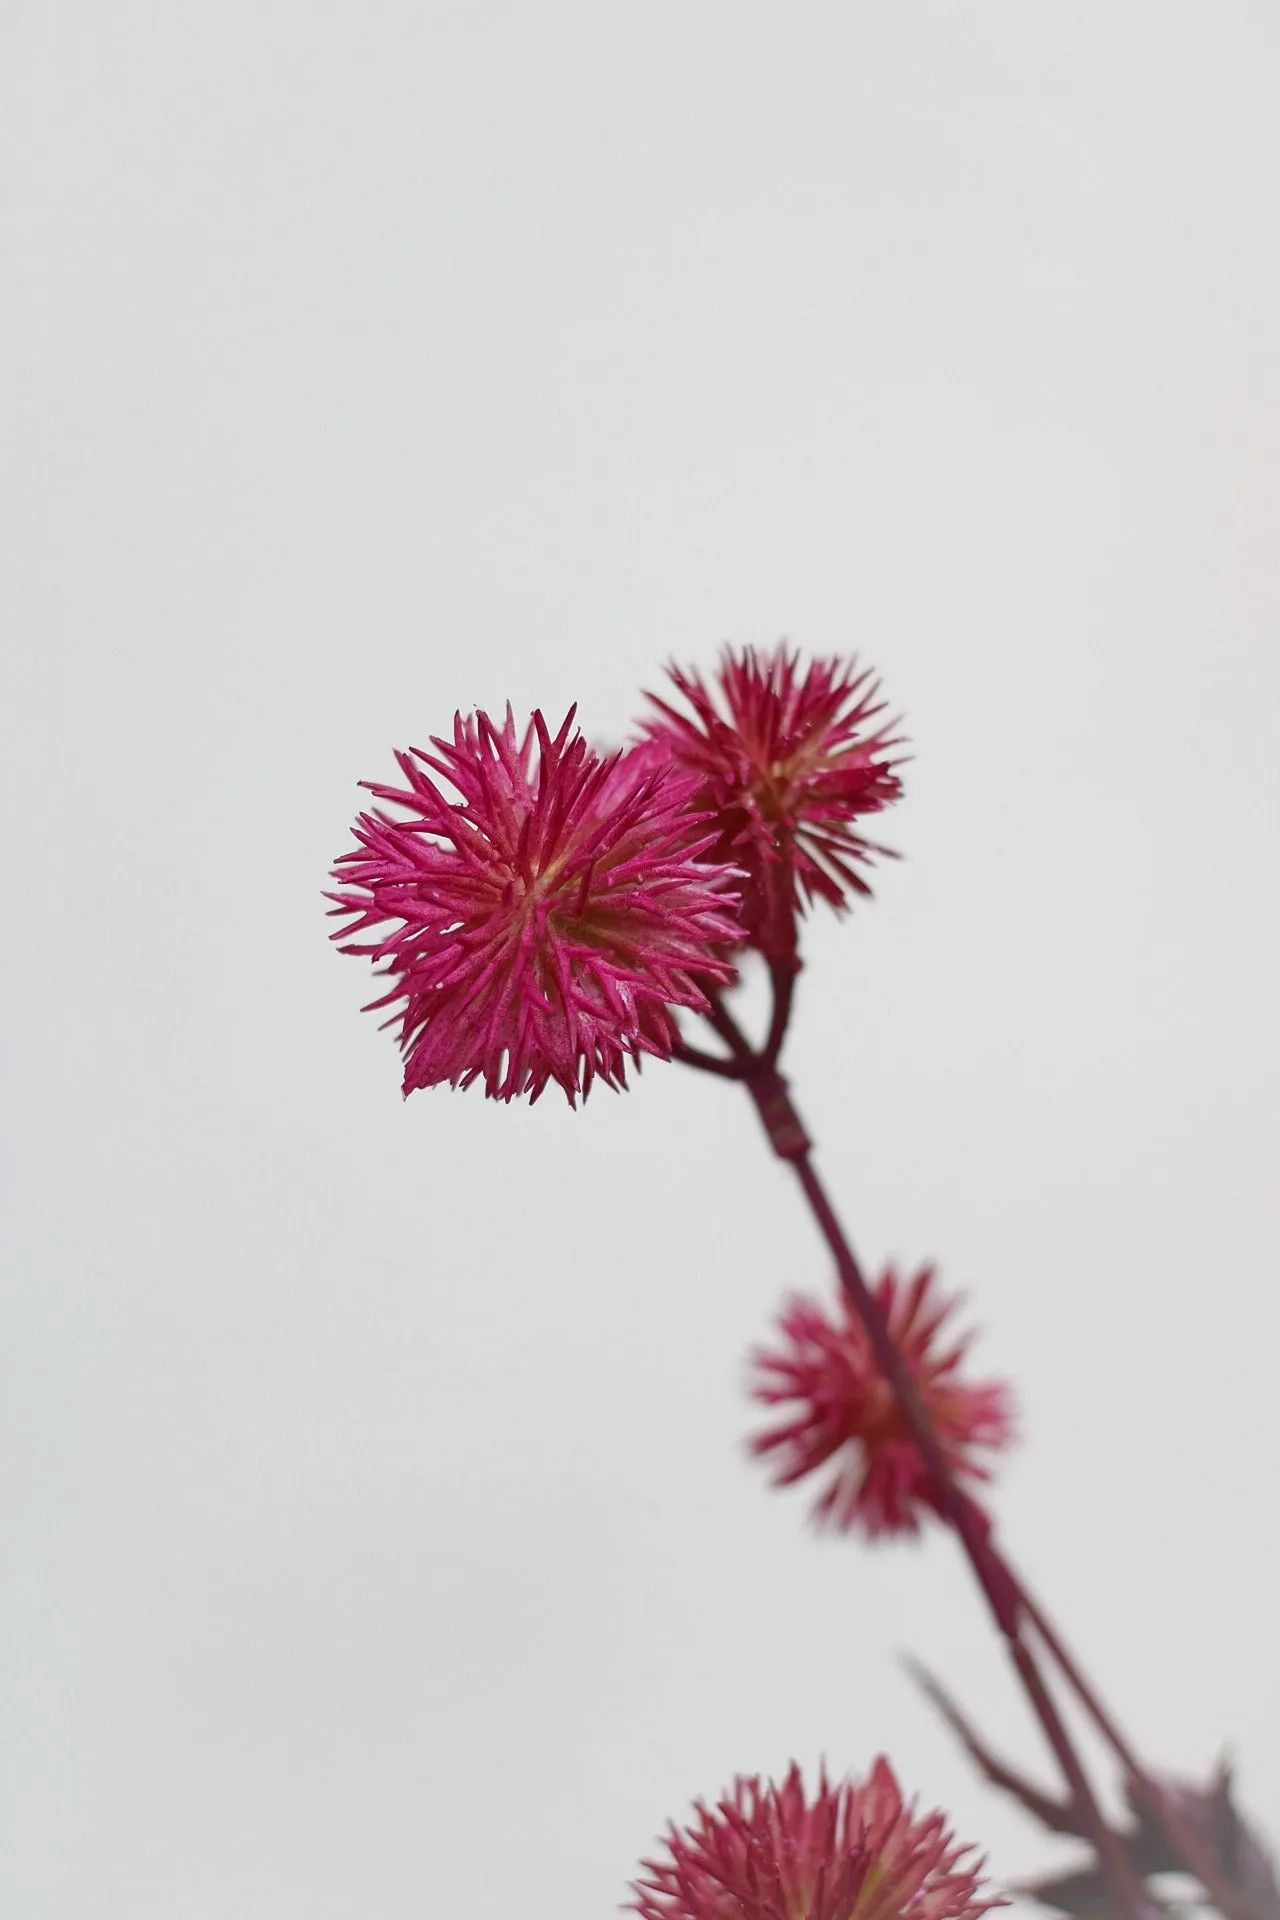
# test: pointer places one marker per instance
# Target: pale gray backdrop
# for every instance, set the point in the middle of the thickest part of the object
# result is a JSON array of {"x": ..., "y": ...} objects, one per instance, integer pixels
[{"x": 377, "y": 1538}]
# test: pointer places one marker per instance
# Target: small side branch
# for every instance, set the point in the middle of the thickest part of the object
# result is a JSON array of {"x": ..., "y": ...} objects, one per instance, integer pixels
[
  {"x": 1057, "y": 1815},
  {"x": 707, "y": 1062},
  {"x": 732, "y": 1035}
]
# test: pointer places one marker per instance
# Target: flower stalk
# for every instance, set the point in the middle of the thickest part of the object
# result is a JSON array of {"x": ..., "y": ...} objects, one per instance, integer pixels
[{"x": 790, "y": 1141}]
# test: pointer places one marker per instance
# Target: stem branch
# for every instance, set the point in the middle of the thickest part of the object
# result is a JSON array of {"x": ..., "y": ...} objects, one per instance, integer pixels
[
  {"x": 1151, "y": 1797},
  {"x": 1004, "y": 1596}
]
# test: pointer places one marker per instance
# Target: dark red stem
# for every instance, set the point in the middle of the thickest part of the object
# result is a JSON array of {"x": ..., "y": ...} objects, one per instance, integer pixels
[
  {"x": 706, "y": 1062},
  {"x": 1155, "y": 1800},
  {"x": 1001, "y": 1590},
  {"x": 782, "y": 976},
  {"x": 790, "y": 1142},
  {"x": 1007, "y": 1596}
]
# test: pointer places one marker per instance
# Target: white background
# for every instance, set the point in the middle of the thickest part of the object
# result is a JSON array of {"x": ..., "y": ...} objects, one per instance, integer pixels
[{"x": 377, "y": 1534}]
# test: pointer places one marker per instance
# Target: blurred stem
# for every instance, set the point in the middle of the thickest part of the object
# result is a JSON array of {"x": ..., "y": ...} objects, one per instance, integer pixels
[
  {"x": 1004, "y": 1596},
  {"x": 1153, "y": 1799},
  {"x": 1007, "y": 1596}
]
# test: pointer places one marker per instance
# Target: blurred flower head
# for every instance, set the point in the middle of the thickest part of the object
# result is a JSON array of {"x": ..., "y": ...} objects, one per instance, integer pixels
[
  {"x": 851, "y": 1852},
  {"x": 544, "y": 925},
  {"x": 844, "y": 1415},
  {"x": 787, "y": 762}
]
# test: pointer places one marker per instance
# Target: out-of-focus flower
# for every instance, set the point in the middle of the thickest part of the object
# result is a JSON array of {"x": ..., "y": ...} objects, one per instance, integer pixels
[
  {"x": 787, "y": 763},
  {"x": 768, "y": 1852},
  {"x": 544, "y": 926},
  {"x": 845, "y": 1414}
]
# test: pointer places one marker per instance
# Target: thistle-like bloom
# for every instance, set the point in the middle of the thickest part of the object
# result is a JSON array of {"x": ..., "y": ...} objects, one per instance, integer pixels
[
  {"x": 787, "y": 763},
  {"x": 544, "y": 926},
  {"x": 767, "y": 1852},
  {"x": 845, "y": 1414}
]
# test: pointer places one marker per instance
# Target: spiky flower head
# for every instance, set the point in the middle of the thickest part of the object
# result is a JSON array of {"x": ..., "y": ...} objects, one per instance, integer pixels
[
  {"x": 544, "y": 925},
  {"x": 769, "y": 1852},
  {"x": 844, "y": 1414},
  {"x": 788, "y": 761}
]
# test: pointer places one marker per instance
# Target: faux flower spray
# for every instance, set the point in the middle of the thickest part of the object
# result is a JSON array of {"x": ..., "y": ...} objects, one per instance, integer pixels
[{"x": 537, "y": 913}]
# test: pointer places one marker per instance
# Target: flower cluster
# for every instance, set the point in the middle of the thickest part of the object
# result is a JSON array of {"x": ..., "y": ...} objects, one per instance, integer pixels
[
  {"x": 769, "y": 1852},
  {"x": 543, "y": 927},
  {"x": 548, "y": 924},
  {"x": 845, "y": 1414}
]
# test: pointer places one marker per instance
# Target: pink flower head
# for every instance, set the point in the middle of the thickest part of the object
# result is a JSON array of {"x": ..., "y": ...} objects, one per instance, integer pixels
[
  {"x": 544, "y": 926},
  {"x": 787, "y": 762},
  {"x": 852, "y": 1853},
  {"x": 845, "y": 1413}
]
